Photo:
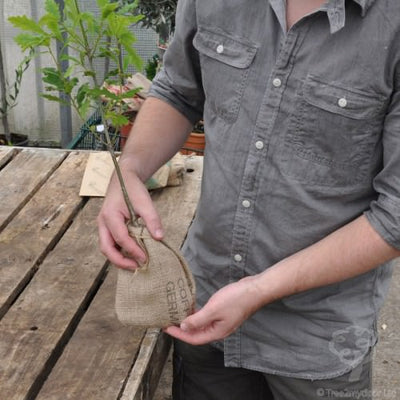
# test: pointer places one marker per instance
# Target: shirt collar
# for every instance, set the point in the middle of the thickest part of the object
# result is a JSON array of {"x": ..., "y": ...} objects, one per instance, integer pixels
[
  {"x": 365, "y": 5},
  {"x": 337, "y": 13}
]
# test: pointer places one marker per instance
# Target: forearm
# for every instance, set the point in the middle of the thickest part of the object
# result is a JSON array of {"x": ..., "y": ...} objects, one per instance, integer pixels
[
  {"x": 350, "y": 251},
  {"x": 157, "y": 134}
]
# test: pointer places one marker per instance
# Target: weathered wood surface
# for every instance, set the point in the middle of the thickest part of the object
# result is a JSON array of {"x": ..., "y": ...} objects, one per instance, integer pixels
[
  {"x": 37, "y": 227},
  {"x": 22, "y": 177},
  {"x": 59, "y": 337},
  {"x": 116, "y": 347},
  {"x": 6, "y": 154}
]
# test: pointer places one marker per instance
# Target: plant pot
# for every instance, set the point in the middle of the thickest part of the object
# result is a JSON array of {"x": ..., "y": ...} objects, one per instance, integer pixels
[
  {"x": 16, "y": 140},
  {"x": 195, "y": 143},
  {"x": 124, "y": 132}
]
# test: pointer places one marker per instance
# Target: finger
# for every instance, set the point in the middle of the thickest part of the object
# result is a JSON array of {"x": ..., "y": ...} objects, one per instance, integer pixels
[
  {"x": 145, "y": 208},
  {"x": 194, "y": 338},
  {"x": 199, "y": 320},
  {"x": 116, "y": 227},
  {"x": 113, "y": 254}
]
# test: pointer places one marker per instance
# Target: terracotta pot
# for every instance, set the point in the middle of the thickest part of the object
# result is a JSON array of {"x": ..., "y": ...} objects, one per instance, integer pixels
[
  {"x": 195, "y": 143},
  {"x": 124, "y": 132}
]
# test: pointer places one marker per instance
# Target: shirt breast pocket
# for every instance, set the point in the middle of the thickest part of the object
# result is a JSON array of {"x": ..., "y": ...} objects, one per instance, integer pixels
[
  {"x": 332, "y": 134},
  {"x": 225, "y": 60}
]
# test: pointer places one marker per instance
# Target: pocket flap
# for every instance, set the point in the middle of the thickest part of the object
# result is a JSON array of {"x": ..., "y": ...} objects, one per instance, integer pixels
[
  {"x": 347, "y": 102},
  {"x": 236, "y": 52}
]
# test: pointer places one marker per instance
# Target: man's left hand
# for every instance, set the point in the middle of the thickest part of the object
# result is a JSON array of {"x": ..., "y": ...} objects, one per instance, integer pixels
[{"x": 225, "y": 311}]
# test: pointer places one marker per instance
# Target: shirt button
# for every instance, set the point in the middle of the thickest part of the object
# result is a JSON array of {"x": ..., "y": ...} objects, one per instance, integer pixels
[
  {"x": 342, "y": 102},
  {"x": 277, "y": 82},
  {"x": 220, "y": 49},
  {"x": 259, "y": 145},
  {"x": 237, "y": 257},
  {"x": 246, "y": 203}
]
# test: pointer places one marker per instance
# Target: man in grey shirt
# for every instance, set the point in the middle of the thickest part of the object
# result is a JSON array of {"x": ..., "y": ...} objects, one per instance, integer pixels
[{"x": 299, "y": 216}]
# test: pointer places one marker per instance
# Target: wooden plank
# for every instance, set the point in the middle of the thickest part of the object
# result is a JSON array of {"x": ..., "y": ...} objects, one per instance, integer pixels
[
  {"x": 37, "y": 326},
  {"x": 6, "y": 154},
  {"x": 22, "y": 177},
  {"x": 44, "y": 219},
  {"x": 144, "y": 377},
  {"x": 74, "y": 376},
  {"x": 99, "y": 355}
]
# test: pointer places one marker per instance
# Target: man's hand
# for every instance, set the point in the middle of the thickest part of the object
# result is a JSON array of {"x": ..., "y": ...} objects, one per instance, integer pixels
[
  {"x": 115, "y": 242},
  {"x": 157, "y": 134},
  {"x": 226, "y": 310},
  {"x": 347, "y": 252}
]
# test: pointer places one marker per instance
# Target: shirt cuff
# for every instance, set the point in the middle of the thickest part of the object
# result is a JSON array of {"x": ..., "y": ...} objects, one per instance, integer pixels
[
  {"x": 163, "y": 91},
  {"x": 384, "y": 216}
]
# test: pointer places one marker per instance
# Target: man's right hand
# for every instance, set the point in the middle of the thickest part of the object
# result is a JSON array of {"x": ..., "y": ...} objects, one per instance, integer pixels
[
  {"x": 115, "y": 242},
  {"x": 157, "y": 134}
]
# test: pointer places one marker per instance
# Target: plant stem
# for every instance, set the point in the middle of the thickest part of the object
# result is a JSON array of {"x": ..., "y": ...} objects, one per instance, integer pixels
[
  {"x": 86, "y": 45},
  {"x": 132, "y": 216},
  {"x": 3, "y": 89}
]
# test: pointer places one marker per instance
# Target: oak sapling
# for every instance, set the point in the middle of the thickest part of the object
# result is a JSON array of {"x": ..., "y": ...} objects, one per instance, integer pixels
[{"x": 85, "y": 37}]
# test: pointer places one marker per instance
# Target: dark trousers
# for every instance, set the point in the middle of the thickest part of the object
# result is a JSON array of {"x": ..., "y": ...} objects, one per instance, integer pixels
[{"x": 200, "y": 374}]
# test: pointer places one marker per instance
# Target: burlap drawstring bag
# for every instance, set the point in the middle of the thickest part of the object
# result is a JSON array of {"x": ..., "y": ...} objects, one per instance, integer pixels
[{"x": 159, "y": 293}]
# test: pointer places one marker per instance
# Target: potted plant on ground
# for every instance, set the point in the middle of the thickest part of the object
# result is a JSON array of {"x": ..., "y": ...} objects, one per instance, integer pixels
[
  {"x": 9, "y": 95},
  {"x": 196, "y": 140},
  {"x": 160, "y": 16}
]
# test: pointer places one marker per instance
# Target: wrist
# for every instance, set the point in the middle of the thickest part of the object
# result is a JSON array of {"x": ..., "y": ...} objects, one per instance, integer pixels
[
  {"x": 131, "y": 166},
  {"x": 254, "y": 292}
]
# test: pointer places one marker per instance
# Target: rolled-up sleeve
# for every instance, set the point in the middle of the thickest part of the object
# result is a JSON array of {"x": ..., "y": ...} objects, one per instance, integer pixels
[
  {"x": 179, "y": 81},
  {"x": 384, "y": 213}
]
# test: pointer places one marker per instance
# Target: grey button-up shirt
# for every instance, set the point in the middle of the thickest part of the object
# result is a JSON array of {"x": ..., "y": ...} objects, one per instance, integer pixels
[{"x": 303, "y": 136}]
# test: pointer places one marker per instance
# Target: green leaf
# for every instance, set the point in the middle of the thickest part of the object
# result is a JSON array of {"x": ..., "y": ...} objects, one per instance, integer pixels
[
  {"x": 26, "y": 24},
  {"x": 82, "y": 94},
  {"x": 102, "y": 3},
  {"x": 53, "y": 24},
  {"x": 117, "y": 120},
  {"x": 90, "y": 22},
  {"x": 53, "y": 78},
  {"x": 133, "y": 59},
  {"x": 129, "y": 94},
  {"x": 52, "y": 8},
  {"x": 27, "y": 41},
  {"x": 112, "y": 73},
  {"x": 69, "y": 71},
  {"x": 83, "y": 108},
  {"x": 108, "y": 9},
  {"x": 104, "y": 93},
  {"x": 51, "y": 97},
  {"x": 89, "y": 73},
  {"x": 67, "y": 57},
  {"x": 69, "y": 85}
]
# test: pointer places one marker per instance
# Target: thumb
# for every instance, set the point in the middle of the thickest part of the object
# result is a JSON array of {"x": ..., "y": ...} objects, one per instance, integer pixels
[
  {"x": 198, "y": 321},
  {"x": 145, "y": 208},
  {"x": 153, "y": 223}
]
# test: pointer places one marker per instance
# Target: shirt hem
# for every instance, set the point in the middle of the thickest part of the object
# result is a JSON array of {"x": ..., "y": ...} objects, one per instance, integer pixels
[{"x": 313, "y": 377}]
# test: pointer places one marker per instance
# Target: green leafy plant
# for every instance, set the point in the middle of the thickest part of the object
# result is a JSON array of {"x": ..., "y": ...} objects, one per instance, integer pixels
[
  {"x": 10, "y": 92},
  {"x": 152, "y": 67},
  {"x": 85, "y": 37},
  {"x": 158, "y": 15}
]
